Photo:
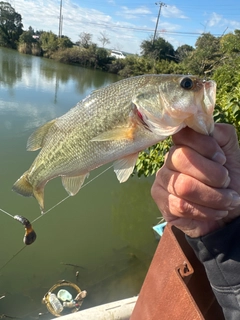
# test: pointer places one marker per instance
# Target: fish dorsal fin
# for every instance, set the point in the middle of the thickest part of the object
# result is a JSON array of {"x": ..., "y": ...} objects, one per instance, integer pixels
[
  {"x": 124, "y": 133},
  {"x": 73, "y": 184},
  {"x": 125, "y": 166},
  {"x": 36, "y": 139}
]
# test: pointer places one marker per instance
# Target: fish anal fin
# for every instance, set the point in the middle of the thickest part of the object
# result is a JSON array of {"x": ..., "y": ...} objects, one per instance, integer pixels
[
  {"x": 73, "y": 184},
  {"x": 36, "y": 139},
  {"x": 39, "y": 196},
  {"x": 125, "y": 166}
]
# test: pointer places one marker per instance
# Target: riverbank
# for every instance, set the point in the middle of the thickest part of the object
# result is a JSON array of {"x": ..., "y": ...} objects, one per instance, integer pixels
[
  {"x": 99, "y": 58},
  {"x": 88, "y": 54}
]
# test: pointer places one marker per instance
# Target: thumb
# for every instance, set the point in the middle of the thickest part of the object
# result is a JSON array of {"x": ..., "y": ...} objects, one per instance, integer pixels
[{"x": 227, "y": 139}]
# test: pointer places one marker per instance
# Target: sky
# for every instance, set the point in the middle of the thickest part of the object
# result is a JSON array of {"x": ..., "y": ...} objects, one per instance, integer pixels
[{"x": 127, "y": 23}]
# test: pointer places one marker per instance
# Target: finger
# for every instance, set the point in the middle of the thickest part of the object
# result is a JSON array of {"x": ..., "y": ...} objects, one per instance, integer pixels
[
  {"x": 189, "y": 162},
  {"x": 190, "y": 189},
  {"x": 173, "y": 207},
  {"x": 207, "y": 146},
  {"x": 226, "y": 137}
]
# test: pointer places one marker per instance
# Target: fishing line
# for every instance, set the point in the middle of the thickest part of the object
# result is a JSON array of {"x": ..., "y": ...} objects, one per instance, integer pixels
[
  {"x": 57, "y": 204},
  {"x": 7, "y": 213},
  {"x": 15, "y": 254}
]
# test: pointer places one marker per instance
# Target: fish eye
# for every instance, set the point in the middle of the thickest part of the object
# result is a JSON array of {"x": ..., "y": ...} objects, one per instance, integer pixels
[{"x": 187, "y": 83}]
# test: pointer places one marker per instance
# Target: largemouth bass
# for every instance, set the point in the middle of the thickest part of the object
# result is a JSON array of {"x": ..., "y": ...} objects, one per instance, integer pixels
[{"x": 114, "y": 124}]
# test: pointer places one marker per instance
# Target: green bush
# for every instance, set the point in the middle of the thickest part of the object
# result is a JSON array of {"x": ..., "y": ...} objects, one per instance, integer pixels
[{"x": 228, "y": 94}]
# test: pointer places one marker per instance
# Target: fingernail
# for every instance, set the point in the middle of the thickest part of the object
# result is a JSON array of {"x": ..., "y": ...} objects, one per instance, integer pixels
[
  {"x": 219, "y": 157},
  {"x": 221, "y": 214},
  {"x": 235, "y": 200},
  {"x": 226, "y": 183}
]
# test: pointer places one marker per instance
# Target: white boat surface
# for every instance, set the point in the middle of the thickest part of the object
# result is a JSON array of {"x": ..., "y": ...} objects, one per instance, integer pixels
[{"x": 117, "y": 310}]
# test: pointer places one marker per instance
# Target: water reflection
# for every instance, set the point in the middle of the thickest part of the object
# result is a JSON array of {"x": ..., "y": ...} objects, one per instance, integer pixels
[
  {"x": 104, "y": 232},
  {"x": 10, "y": 68},
  {"x": 35, "y": 90}
]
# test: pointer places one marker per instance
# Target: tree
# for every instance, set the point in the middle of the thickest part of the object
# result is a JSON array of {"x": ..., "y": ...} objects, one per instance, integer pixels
[
  {"x": 64, "y": 42},
  {"x": 159, "y": 49},
  {"x": 230, "y": 42},
  {"x": 103, "y": 39},
  {"x": 49, "y": 42},
  {"x": 183, "y": 51},
  {"x": 10, "y": 25},
  {"x": 31, "y": 30},
  {"x": 26, "y": 37},
  {"x": 27, "y": 44},
  {"x": 207, "y": 56},
  {"x": 85, "y": 40}
]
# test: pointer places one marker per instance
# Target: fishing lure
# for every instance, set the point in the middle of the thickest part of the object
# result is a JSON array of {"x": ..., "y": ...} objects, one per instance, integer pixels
[{"x": 30, "y": 235}]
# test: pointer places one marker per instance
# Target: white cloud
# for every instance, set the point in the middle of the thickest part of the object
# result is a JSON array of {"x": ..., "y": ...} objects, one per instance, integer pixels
[
  {"x": 172, "y": 12},
  {"x": 133, "y": 13},
  {"x": 217, "y": 20},
  {"x": 166, "y": 26}
]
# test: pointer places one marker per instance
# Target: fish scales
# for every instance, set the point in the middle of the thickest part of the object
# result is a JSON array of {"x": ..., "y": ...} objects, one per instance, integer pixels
[
  {"x": 104, "y": 119},
  {"x": 114, "y": 124}
]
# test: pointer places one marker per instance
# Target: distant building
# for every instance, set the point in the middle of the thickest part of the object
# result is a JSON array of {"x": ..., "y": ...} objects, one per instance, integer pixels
[{"x": 117, "y": 54}]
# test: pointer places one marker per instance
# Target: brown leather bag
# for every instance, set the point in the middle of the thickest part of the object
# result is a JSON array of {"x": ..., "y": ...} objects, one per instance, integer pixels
[{"x": 176, "y": 286}]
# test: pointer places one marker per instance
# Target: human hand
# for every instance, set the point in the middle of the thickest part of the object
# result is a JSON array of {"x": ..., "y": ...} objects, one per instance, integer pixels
[{"x": 198, "y": 187}]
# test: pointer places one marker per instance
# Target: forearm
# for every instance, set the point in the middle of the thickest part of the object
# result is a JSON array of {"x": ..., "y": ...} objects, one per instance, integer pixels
[{"x": 219, "y": 252}]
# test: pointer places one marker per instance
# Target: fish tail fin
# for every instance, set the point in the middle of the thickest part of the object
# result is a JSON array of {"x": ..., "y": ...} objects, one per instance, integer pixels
[{"x": 23, "y": 187}]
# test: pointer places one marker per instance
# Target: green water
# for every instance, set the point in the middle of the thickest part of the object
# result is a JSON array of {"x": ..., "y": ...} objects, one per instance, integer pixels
[{"x": 104, "y": 232}]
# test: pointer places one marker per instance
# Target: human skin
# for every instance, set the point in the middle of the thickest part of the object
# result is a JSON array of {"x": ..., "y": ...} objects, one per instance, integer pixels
[{"x": 198, "y": 187}]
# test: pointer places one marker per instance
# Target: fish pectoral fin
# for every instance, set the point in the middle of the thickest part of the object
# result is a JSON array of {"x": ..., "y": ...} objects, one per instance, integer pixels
[
  {"x": 36, "y": 139},
  {"x": 73, "y": 184},
  {"x": 124, "y": 133},
  {"x": 125, "y": 166}
]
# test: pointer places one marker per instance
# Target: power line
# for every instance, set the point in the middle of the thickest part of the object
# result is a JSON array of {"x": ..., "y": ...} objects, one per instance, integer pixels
[{"x": 112, "y": 26}]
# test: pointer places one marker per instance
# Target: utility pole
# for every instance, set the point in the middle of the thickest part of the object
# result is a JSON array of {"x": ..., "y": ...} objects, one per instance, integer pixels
[
  {"x": 161, "y": 4},
  {"x": 60, "y": 21}
]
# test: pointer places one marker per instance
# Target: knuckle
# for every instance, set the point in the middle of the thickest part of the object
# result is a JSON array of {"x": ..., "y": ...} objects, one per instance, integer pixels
[
  {"x": 185, "y": 186},
  {"x": 184, "y": 207}
]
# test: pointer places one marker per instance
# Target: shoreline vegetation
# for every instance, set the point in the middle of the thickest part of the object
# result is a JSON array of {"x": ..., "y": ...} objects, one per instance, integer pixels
[{"x": 212, "y": 57}]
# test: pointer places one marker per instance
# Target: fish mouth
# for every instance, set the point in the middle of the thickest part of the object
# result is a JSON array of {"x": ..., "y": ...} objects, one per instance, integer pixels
[
  {"x": 203, "y": 122},
  {"x": 209, "y": 95}
]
